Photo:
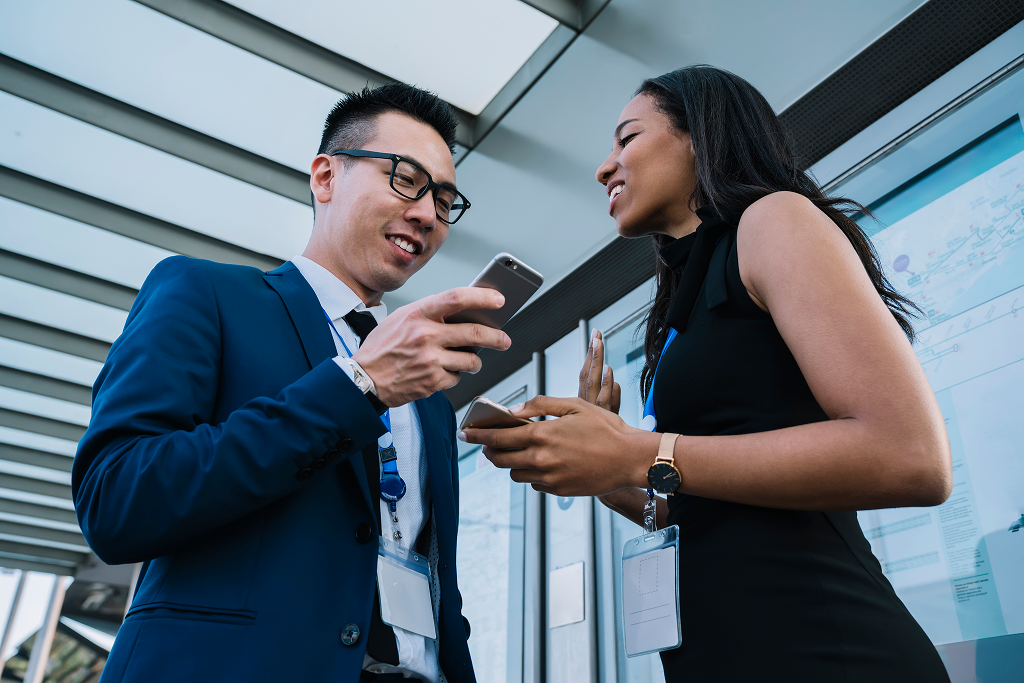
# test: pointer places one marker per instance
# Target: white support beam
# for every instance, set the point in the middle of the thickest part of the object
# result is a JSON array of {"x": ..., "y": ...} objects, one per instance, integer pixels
[{"x": 44, "y": 637}]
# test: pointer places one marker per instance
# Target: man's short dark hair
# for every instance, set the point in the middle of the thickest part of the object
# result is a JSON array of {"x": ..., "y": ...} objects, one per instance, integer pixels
[{"x": 352, "y": 121}]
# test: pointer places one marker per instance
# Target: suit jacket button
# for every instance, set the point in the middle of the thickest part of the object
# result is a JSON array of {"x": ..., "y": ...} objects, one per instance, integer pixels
[
  {"x": 350, "y": 635},
  {"x": 304, "y": 473},
  {"x": 332, "y": 455},
  {"x": 363, "y": 533},
  {"x": 318, "y": 464},
  {"x": 346, "y": 444}
]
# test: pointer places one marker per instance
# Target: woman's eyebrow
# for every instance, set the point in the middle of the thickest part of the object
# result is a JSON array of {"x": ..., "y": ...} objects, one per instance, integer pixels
[{"x": 618, "y": 128}]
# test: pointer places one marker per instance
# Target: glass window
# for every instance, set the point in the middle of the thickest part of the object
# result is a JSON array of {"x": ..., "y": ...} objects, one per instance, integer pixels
[
  {"x": 950, "y": 239},
  {"x": 446, "y": 46},
  {"x": 624, "y": 346},
  {"x": 491, "y": 554}
]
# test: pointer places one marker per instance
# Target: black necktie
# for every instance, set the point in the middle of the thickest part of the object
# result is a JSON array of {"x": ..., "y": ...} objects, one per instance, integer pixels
[
  {"x": 380, "y": 641},
  {"x": 362, "y": 323}
]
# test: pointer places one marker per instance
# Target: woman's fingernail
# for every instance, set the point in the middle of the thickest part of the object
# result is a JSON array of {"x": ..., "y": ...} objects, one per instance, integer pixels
[
  {"x": 461, "y": 436},
  {"x": 607, "y": 369},
  {"x": 594, "y": 332},
  {"x": 516, "y": 408}
]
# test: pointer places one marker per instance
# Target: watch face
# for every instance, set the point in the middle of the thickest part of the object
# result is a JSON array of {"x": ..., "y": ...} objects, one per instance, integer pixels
[{"x": 663, "y": 478}]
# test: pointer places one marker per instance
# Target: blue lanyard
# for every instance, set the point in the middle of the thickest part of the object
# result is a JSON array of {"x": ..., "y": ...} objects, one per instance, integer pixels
[
  {"x": 392, "y": 486},
  {"x": 650, "y": 420}
]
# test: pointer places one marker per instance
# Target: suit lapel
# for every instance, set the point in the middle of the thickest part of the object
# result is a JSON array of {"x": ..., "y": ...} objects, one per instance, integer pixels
[
  {"x": 308, "y": 318},
  {"x": 305, "y": 311}
]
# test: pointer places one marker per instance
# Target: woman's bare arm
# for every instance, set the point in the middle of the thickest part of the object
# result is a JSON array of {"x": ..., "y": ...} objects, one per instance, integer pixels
[{"x": 884, "y": 445}]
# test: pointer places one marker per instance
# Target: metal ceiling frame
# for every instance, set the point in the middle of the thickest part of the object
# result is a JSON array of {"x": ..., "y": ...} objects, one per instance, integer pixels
[
  {"x": 60, "y": 95},
  {"x": 44, "y": 336},
  {"x": 295, "y": 53},
  {"x": 66, "y": 280},
  {"x": 37, "y": 458},
  {"x": 63, "y": 201}
]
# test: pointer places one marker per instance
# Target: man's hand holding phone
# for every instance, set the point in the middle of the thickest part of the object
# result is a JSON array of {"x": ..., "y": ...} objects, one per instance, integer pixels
[{"x": 412, "y": 353}]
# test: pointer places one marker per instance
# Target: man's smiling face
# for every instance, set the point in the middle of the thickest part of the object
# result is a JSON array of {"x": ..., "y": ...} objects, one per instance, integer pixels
[{"x": 371, "y": 237}]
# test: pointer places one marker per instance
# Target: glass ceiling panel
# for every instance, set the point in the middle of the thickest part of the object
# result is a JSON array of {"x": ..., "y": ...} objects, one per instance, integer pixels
[
  {"x": 35, "y": 472},
  {"x": 31, "y": 540},
  {"x": 39, "y": 442},
  {"x": 44, "y": 406},
  {"x": 61, "y": 311},
  {"x": 64, "y": 242},
  {"x": 37, "y": 498},
  {"x": 16, "y": 354},
  {"x": 38, "y": 141},
  {"x": 147, "y": 59},
  {"x": 38, "y": 521},
  {"x": 464, "y": 50}
]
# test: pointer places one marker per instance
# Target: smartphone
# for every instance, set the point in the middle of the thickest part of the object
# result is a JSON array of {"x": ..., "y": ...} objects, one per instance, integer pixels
[
  {"x": 510, "y": 276},
  {"x": 484, "y": 413}
]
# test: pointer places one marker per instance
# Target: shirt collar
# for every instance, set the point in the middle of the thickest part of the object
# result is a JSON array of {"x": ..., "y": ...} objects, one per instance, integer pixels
[{"x": 334, "y": 295}]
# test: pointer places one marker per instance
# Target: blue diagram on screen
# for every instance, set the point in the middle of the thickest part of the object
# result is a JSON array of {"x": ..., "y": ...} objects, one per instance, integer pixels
[{"x": 952, "y": 241}]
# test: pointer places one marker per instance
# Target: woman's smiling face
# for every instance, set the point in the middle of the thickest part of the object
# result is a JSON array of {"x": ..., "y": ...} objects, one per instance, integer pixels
[{"x": 650, "y": 173}]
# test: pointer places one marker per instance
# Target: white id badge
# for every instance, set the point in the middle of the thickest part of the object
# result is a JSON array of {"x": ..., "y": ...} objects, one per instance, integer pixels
[
  {"x": 650, "y": 592},
  {"x": 403, "y": 577}
]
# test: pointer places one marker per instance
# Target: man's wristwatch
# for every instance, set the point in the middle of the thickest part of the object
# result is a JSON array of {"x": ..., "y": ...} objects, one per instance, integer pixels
[
  {"x": 365, "y": 385},
  {"x": 663, "y": 476}
]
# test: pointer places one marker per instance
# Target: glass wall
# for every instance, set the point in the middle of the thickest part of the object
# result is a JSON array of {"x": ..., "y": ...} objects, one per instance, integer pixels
[
  {"x": 948, "y": 232},
  {"x": 950, "y": 204},
  {"x": 491, "y": 554}
]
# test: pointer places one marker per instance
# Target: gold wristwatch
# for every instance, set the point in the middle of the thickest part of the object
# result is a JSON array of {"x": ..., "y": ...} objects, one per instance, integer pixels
[{"x": 663, "y": 476}]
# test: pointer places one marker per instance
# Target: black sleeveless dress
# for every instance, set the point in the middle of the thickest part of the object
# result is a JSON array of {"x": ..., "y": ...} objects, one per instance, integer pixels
[{"x": 766, "y": 594}]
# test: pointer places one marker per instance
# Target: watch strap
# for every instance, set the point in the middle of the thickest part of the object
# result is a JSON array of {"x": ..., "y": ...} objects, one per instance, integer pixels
[{"x": 666, "y": 449}]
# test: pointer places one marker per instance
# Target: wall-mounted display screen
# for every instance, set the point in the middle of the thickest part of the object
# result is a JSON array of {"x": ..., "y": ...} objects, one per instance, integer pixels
[{"x": 952, "y": 241}]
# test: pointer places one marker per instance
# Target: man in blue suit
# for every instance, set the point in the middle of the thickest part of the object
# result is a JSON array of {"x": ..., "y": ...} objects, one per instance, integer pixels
[{"x": 238, "y": 447}]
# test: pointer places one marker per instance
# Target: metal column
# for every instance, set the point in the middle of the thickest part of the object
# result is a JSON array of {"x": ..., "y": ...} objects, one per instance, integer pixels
[
  {"x": 44, "y": 637},
  {"x": 10, "y": 616}
]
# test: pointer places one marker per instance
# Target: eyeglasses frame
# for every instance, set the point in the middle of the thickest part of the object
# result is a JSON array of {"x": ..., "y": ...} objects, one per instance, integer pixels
[{"x": 431, "y": 186}]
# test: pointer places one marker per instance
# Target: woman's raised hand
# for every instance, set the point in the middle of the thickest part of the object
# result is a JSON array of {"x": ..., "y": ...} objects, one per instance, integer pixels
[{"x": 597, "y": 382}]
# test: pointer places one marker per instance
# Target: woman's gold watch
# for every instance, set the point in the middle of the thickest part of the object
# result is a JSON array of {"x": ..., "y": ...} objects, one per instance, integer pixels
[{"x": 663, "y": 476}]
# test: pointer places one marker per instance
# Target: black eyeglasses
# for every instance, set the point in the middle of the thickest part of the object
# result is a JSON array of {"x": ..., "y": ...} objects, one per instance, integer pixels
[{"x": 412, "y": 181}]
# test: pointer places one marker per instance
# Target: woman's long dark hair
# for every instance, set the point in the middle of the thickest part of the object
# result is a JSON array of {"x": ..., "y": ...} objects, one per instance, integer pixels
[{"x": 742, "y": 155}]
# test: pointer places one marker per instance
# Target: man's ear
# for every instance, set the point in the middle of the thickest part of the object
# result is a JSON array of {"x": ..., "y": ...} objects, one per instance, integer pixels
[{"x": 321, "y": 178}]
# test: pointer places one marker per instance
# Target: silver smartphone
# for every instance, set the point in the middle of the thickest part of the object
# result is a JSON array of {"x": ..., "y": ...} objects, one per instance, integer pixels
[
  {"x": 484, "y": 413},
  {"x": 510, "y": 276}
]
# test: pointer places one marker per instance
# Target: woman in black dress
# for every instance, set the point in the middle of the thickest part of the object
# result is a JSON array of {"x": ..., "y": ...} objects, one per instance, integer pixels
[{"x": 793, "y": 386}]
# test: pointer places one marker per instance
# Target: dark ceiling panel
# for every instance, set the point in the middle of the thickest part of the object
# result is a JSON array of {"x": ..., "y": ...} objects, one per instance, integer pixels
[{"x": 915, "y": 52}]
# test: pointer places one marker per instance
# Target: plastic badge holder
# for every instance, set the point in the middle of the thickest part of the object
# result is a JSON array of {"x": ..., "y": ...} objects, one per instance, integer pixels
[
  {"x": 650, "y": 593},
  {"x": 403, "y": 577}
]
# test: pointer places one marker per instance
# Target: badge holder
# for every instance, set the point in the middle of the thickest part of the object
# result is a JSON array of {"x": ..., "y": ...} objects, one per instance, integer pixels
[
  {"x": 650, "y": 589},
  {"x": 403, "y": 577}
]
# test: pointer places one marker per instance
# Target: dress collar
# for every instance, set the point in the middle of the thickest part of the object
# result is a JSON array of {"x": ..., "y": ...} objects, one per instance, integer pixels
[
  {"x": 334, "y": 295},
  {"x": 693, "y": 255},
  {"x": 675, "y": 253}
]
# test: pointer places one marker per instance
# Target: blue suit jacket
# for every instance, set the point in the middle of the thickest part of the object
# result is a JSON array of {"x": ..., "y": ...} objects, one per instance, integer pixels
[{"x": 226, "y": 453}]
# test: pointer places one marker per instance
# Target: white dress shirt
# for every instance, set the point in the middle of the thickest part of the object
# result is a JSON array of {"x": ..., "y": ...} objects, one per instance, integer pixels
[{"x": 417, "y": 655}]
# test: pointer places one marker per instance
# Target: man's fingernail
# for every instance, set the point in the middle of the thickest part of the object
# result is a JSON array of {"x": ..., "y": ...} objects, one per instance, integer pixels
[
  {"x": 508, "y": 341},
  {"x": 516, "y": 408},
  {"x": 593, "y": 333},
  {"x": 461, "y": 436},
  {"x": 499, "y": 298},
  {"x": 607, "y": 369}
]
